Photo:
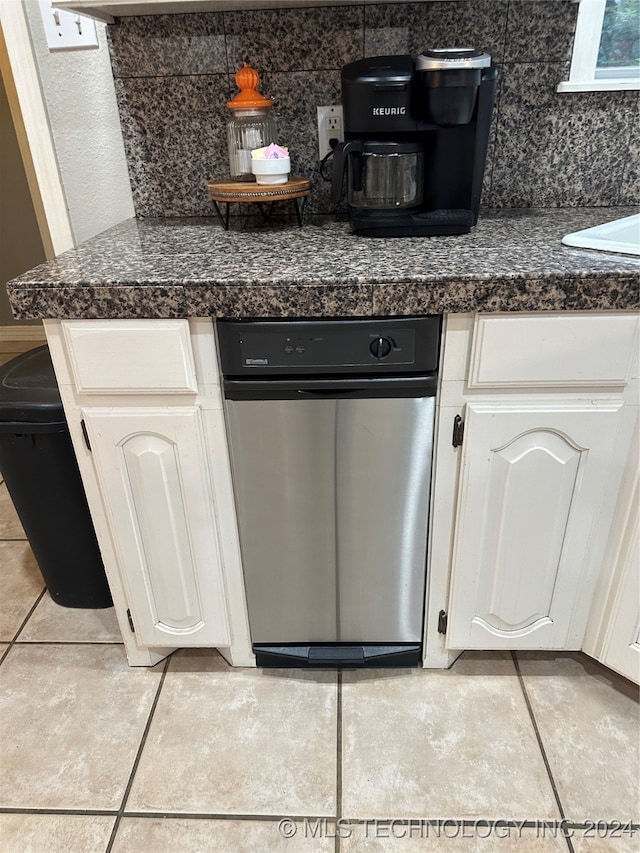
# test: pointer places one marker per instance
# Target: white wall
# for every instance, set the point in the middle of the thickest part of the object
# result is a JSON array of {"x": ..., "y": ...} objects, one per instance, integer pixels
[
  {"x": 20, "y": 241},
  {"x": 80, "y": 100}
]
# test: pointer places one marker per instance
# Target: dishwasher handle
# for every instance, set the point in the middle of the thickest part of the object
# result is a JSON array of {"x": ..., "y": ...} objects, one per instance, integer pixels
[{"x": 338, "y": 388}]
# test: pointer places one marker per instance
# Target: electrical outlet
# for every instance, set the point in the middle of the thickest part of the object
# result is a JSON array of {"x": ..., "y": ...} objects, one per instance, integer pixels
[
  {"x": 330, "y": 126},
  {"x": 66, "y": 30}
]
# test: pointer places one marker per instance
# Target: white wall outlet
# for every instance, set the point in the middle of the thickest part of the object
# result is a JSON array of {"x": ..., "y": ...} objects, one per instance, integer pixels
[
  {"x": 66, "y": 30},
  {"x": 330, "y": 126}
]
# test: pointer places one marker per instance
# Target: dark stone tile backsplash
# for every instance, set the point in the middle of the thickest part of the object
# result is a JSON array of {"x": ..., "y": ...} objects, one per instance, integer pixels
[
  {"x": 174, "y": 75},
  {"x": 413, "y": 27}
]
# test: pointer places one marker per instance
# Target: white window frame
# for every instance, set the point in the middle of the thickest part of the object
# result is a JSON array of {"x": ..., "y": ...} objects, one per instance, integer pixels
[{"x": 582, "y": 76}]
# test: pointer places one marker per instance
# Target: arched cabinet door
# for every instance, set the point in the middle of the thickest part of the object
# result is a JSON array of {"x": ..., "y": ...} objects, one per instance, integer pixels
[
  {"x": 153, "y": 474},
  {"x": 529, "y": 500}
]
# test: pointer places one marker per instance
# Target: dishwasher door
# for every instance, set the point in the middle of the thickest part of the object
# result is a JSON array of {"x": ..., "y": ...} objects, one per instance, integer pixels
[{"x": 332, "y": 498}]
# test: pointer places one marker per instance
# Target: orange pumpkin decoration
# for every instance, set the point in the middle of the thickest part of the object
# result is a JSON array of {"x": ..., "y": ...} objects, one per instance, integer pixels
[{"x": 247, "y": 79}]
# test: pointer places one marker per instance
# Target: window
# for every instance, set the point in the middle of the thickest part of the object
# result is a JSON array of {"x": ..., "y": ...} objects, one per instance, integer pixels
[{"x": 606, "y": 49}]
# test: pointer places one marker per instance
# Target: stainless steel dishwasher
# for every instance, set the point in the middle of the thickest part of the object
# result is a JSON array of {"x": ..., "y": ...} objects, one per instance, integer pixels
[{"x": 330, "y": 426}]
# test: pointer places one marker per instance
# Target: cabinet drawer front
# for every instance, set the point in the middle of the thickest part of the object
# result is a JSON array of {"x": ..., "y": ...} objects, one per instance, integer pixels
[
  {"x": 553, "y": 350},
  {"x": 130, "y": 356}
]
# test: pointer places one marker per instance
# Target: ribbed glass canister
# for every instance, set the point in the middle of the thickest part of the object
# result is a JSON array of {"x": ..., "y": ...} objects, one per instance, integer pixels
[
  {"x": 252, "y": 124},
  {"x": 248, "y": 129}
]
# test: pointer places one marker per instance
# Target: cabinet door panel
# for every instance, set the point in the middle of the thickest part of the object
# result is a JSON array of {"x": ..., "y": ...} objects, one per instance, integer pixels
[
  {"x": 529, "y": 498},
  {"x": 525, "y": 532},
  {"x": 622, "y": 643},
  {"x": 153, "y": 475}
]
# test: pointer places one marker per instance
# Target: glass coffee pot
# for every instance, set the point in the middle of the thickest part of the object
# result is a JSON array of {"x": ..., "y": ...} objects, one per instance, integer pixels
[
  {"x": 251, "y": 125},
  {"x": 380, "y": 175}
]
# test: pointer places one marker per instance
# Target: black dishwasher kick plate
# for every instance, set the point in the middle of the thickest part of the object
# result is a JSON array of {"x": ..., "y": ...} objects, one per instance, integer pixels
[{"x": 338, "y": 654}]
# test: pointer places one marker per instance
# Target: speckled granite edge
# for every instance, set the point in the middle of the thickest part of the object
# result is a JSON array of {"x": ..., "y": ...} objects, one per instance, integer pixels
[
  {"x": 72, "y": 302},
  {"x": 543, "y": 294},
  {"x": 512, "y": 261},
  {"x": 553, "y": 293},
  {"x": 285, "y": 301}
]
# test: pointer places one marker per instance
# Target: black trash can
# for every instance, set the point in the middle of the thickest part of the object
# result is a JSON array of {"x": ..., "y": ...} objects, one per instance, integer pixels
[{"x": 40, "y": 469}]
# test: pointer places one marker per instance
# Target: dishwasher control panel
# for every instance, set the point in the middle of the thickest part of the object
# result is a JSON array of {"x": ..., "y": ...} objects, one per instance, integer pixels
[{"x": 265, "y": 347}]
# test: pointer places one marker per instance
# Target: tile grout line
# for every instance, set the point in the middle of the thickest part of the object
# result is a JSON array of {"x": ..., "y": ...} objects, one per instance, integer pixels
[
  {"x": 136, "y": 761},
  {"x": 14, "y": 639},
  {"x": 263, "y": 818},
  {"x": 531, "y": 823},
  {"x": 338, "y": 759},
  {"x": 527, "y": 701},
  {"x": 71, "y": 812},
  {"x": 492, "y": 145}
]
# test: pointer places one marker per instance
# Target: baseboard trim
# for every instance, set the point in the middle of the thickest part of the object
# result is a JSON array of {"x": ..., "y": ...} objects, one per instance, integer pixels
[{"x": 22, "y": 333}]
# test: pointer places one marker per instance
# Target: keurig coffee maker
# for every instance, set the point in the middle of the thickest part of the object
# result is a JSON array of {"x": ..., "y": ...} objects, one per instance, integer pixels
[{"x": 416, "y": 131}]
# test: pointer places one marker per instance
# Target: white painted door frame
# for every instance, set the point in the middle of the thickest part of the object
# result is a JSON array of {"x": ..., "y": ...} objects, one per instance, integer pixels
[{"x": 32, "y": 127}]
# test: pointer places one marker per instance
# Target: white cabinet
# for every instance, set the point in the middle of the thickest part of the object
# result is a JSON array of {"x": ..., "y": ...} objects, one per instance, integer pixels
[
  {"x": 152, "y": 473},
  {"x": 132, "y": 357},
  {"x": 107, "y": 10},
  {"x": 534, "y": 524},
  {"x": 530, "y": 499},
  {"x": 613, "y": 632},
  {"x": 522, "y": 511},
  {"x": 144, "y": 407},
  {"x": 621, "y": 648}
]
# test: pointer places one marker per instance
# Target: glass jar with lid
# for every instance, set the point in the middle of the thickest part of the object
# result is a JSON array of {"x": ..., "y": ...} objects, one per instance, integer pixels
[{"x": 252, "y": 124}]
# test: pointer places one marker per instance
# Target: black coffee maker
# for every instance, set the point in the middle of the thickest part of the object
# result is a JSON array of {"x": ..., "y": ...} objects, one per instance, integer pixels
[{"x": 416, "y": 136}]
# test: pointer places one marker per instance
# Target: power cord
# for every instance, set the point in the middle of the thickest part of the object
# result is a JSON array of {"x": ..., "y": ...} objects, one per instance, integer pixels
[{"x": 332, "y": 143}]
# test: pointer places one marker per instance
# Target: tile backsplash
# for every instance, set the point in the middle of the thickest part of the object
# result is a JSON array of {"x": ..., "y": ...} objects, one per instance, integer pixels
[{"x": 174, "y": 75}]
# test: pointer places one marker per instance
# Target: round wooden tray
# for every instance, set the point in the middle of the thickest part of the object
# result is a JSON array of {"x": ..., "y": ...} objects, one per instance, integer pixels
[
  {"x": 248, "y": 191},
  {"x": 230, "y": 191}
]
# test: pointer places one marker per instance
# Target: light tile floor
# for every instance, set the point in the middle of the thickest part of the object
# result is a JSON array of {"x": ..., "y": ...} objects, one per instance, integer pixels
[{"x": 192, "y": 755}]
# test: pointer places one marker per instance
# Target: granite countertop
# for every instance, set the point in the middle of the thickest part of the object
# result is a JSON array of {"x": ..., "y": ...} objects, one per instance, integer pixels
[{"x": 512, "y": 261}]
